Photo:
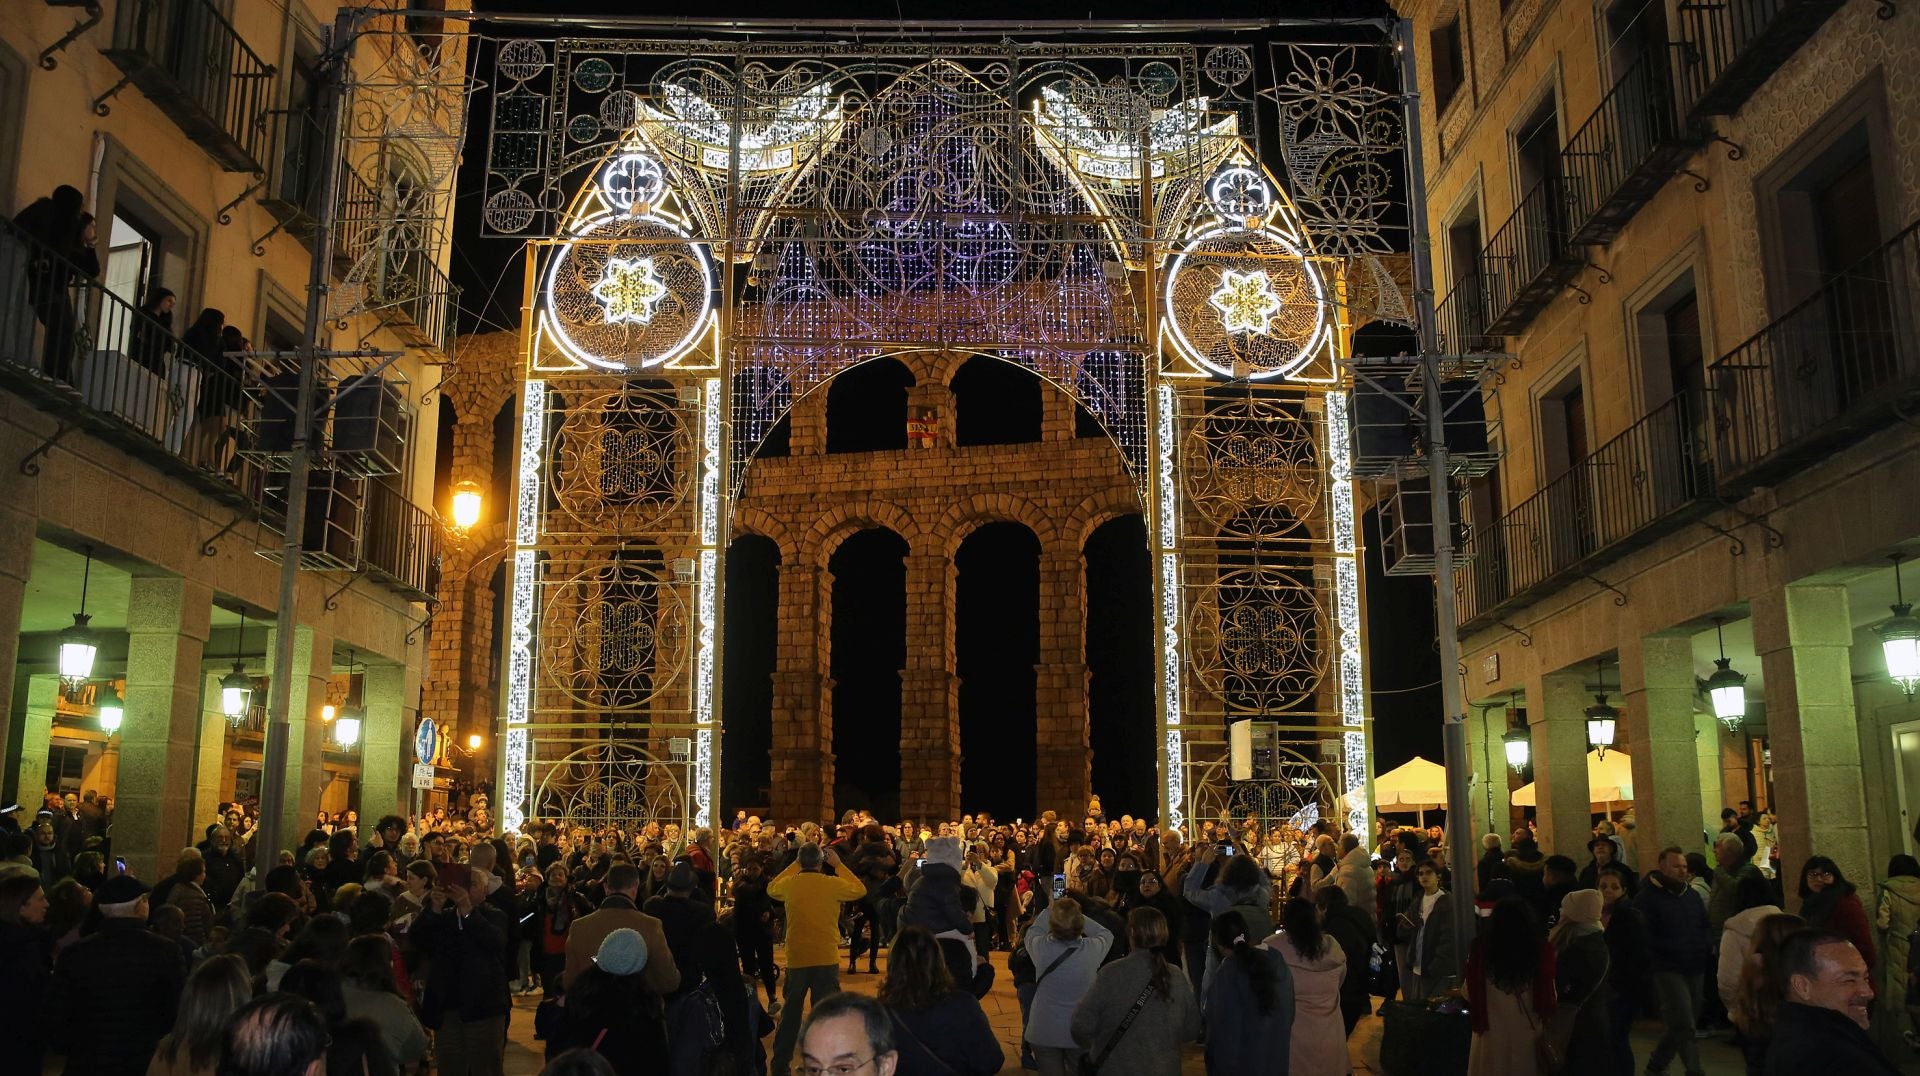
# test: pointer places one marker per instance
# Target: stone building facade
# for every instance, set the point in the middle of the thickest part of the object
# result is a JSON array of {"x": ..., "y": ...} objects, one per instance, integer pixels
[
  {"x": 195, "y": 169},
  {"x": 1694, "y": 236}
]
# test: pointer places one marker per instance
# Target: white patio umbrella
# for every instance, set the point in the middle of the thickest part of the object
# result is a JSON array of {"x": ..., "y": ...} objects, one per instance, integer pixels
[
  {"x": 1418, "y": 786},
  {"x": 1609, "y": 781}
]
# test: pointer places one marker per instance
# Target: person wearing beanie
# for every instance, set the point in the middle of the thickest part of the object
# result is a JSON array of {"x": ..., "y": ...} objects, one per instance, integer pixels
[
  {"x": 681, "y": 916},
  {"x": 123, "y": 980},
  {"x": 939, "y": 902},
  {"x": 1578, "y": 1026},
  {"x": 620, "y": 909},
  {"x": 610, "y": 1010}
]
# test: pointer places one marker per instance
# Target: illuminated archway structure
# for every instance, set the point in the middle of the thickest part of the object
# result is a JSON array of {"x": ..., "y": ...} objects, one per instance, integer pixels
[{"x": 715, "y": 231}]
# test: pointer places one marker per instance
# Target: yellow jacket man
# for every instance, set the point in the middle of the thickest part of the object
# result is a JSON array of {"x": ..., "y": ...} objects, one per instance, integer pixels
[{"x": 813, "y": 902}]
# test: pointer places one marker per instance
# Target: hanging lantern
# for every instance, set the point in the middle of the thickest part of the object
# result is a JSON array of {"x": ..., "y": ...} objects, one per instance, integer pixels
[
  {"x": 78, "y": 642},
  {"x": 466, "y": 504},
  {"x": 1900, "y": 638},
  {"x": 113, "y": 710},
  {"x": 1519, "y": 744},
  {"x": 1602, "y": 720},
  {"x": 1726, "y": 689},
  {"x": 236, "y": 688},
  {"x": 346, "y": 729}
]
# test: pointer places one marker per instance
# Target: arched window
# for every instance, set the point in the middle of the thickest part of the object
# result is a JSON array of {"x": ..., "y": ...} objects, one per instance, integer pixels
[
  {"x": 506, "y": 442},
  {"x": 995, "y": 403},
  {"x": 867, "y": 650},
  {"x": 752, "y": 649},
  {"x": 1121, "y": 718},
  {"x": 867, "y": 407},
  {"x": 443, "y": 458}
]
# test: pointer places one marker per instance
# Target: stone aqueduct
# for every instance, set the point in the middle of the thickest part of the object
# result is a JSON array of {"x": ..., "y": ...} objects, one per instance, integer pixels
[{"x": 808, "y": 503}]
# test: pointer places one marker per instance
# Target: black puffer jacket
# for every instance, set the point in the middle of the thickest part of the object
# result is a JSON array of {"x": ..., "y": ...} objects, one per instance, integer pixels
[{"x": 1676, "y": 928}]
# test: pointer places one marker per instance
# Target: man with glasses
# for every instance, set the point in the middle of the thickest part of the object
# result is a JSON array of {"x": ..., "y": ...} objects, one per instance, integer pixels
[{"x": 848, "y": 1035}]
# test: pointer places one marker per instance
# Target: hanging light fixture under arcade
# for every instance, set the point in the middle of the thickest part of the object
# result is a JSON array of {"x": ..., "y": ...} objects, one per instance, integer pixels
[
  {"x": 113, "y": 709},
  {"x": 1518, "y": 740},
  {"x": 1727, "y": 689},
  {"x": 1602, "y": 720},
  {"x": 1900, "y": 637},
  {"x": 467, "y": 503},
  {"x": 236, "y": 688},
  {"x": 79, "y": 643},
  {"x": 346, "y": 721}
]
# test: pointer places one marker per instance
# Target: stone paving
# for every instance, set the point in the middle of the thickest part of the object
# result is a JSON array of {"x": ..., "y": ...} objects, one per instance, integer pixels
[{"x": 1718, "y": 1057}]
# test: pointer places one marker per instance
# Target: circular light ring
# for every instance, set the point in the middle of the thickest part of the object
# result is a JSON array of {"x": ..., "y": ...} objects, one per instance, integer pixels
[
  {"x": 578, "y": 321},
  {"x": 1294, "y": 332}
]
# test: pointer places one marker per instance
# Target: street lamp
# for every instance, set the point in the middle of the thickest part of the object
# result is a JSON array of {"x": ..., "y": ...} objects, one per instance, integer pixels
[
  {"x": 1725, "y": 688},
  {"x": 113, "y": 710},
  {"x": 473, "y": 743},
  {"x": 466, "y": 504},
  {"x": 1518, "y": 742},
  {"x": 346, "y": 722},
  {"x": 1900, "y": 637},
  {"x": 78, "y": 642},
  {"x": 1602, "y": 719},
  {"x": 236, "y": 688}
]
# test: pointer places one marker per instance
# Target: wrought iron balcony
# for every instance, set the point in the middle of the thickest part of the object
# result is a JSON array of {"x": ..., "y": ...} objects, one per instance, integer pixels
[
  {"x": 1462, "y": 320},
  {"x": 1630, "y": 491},
  {"x": 1622, "y": 155},
  {"x": 1729, "y": 47},
  {"x": 400, "y": 543},
  {"x": 1840, "y": 364},
  {"x": 78, "y": 350},
  {"x": 1529, "y": 260},
  {"x": 188, "y": 59},
  {"x": 294, "y": 187}
]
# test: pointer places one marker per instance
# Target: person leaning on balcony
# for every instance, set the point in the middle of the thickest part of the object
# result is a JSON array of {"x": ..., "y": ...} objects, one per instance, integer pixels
[
  {"x": 153, "y": 341},
  {"x": 63, "y": 235}
]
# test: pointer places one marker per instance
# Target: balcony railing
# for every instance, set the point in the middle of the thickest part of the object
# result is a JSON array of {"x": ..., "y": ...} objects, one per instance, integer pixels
[
  {"x": 1622, "y": 155},
  {"x": 187, "y": 58},
  {"x": 1833, "y": 368},
  {"x": 1727, "y": 48},
  {"x": 401, "y": 540},
  {"x": 1605, "y": 505},
  {"x": 1528, "y": 260},
  {"x": 79, "y": 350},
  {"x": 294, "y": 189},
  {"x": 1462, "y": 320}
]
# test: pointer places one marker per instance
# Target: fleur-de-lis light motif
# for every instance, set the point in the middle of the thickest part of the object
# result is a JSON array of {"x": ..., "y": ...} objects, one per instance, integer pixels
[
  {"x": 629, "y": 289},
  {"x": 1246, "y": 301}
]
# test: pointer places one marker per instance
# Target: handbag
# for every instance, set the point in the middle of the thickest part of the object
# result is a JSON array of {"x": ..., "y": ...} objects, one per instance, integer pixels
[
  {"x": 1089, "y": 1066},
  {"x": 1555, "y": 1034}
]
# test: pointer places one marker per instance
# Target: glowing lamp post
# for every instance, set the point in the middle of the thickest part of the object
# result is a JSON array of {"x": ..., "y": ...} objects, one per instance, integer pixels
[
  {"x": 1900, "y": 638},
  {"x": 466, "y": 505}
]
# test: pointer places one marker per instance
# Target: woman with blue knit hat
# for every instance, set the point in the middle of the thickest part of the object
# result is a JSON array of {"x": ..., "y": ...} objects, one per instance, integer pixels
[{"x": 609, "y": 1010}]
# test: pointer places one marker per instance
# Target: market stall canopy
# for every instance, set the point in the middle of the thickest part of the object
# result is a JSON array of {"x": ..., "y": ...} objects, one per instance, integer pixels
[
  {"x": 1417, "y": 786},
  {"x": 1609, "y": 781}
]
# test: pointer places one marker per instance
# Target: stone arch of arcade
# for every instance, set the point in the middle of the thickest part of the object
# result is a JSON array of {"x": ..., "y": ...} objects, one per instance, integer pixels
[{"x": 934, "y": 495}]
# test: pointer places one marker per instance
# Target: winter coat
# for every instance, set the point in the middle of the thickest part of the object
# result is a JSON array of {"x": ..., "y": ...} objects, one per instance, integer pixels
[
  {"x": 1434, "y": 949},
  {"x": 1050, "y": 1014},
  {"x": 26, "y": 962},
  {"x": 1319, "y": 1040},
  {"x": 1736, "y": 945},
  {"x": 1354, "y": 876},
  {"x": 934, "y": 902},
  {"x": 1808, "y": 1039},
  {"x": 1493, "y": 864},
  {"x": 1899, "y": 914},
  {"x": 1250, "y": 903},
  {"x": 1242, "y": 1040},
  {"x": 1151, "y": 1046},
  {"x": 467, "y": 981},
  {"x": 1838, "y": 908},
  {"x": 1580, "y": 972},
  {"x": 1676, "y": 928},
  {"x": 1352, "y": 930},
  {"x": 951, "y": 1037},
  {"x": 1629, "y": 954},
  {"x": 125, "y": 980}
]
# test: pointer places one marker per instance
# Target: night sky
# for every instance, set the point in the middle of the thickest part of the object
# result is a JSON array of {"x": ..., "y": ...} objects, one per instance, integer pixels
[{"x": 996, "y": 617}]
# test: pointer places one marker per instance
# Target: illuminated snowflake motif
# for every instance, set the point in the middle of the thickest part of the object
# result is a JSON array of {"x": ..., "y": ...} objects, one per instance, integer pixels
[
  {"x": 1246, "y": 301},
  {"x": 629, "y": 290}
]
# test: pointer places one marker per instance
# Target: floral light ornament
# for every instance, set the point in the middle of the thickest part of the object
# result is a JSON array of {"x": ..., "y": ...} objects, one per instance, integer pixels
[
  {"x": 1246, "y": 301},
  {"x": 629, "y": 289}
]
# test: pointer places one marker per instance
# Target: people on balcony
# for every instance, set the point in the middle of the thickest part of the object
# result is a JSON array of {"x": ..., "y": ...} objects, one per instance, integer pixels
[
  {"x": 65, "y": 235},
  {"x": 153, "y": 340}
]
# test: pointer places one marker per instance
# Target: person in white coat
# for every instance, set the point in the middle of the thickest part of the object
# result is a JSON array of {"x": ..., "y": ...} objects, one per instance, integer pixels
[{"x": 1354, "y": 875}]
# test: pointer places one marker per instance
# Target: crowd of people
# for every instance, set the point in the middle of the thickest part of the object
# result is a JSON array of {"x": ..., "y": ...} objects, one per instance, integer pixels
[{"x": 402, "y": 948}]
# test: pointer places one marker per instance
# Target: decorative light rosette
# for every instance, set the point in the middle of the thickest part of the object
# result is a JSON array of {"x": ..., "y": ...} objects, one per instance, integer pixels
[{"x": 1244, "y": 298}]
